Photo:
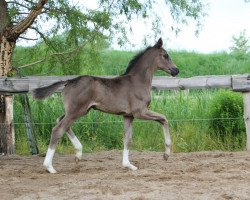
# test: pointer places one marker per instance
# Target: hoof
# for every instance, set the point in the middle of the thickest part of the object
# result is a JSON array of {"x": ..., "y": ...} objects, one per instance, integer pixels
[
  {"x": 50, "y": 169},
  {"x": 77, "y": 160},
  {"x": 130, "y": 166},
  {"x": 78, "y": 156},
  {"x": 165, "y": 156}
]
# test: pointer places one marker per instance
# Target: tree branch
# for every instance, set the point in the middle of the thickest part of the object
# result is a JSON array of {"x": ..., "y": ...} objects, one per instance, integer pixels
[
  {"x": 44, "y": 39},
  {"x": 31, "y": 2},
  {"x": 57, "y": 53},
  {"x": 33, "y": 63},
  {"x": 19, "y": 4},
  {"x": 28, "y": 38},
  {"x": 26, "y": 22},
  {"x": 53, "y": 54},
  {"x": 54, "y": 48},
  {"x": 40, "y": 33}
]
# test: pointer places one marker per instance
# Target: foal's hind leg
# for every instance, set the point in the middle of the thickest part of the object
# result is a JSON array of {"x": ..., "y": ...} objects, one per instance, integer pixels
[
  {"x": 74, "y": 140},
  {"x": 57, "y": 132},
  {"x": 126, "y": 140},
  {"x": 77, "y": 144}
]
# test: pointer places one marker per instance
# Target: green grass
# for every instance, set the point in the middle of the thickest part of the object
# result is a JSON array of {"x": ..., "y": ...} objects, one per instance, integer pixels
[
  {"x": 188, "y": 115},
  {"x": 189, "y": 63},
  {"x": 111, "y": 62}
]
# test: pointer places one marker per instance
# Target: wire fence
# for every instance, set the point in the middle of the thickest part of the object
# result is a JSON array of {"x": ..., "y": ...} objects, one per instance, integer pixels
[
  {"x": 136, "y": 121},
  {"x": 187, "y": 135}
]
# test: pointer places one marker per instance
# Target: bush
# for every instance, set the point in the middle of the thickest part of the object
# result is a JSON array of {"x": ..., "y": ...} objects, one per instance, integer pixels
[{"x": 227, "y": 113}]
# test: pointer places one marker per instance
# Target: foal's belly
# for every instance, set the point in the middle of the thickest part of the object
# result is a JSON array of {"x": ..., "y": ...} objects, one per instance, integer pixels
[{"x": 113, "y": 108}]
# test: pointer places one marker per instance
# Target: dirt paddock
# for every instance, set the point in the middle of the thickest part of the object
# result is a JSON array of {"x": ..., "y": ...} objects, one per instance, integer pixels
[{"x": 203, "y": 175}]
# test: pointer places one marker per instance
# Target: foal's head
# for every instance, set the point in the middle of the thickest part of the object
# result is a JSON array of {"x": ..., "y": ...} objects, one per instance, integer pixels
[
  {"x": 156, "y": 58},
  {"x": 163, "y": 60}
]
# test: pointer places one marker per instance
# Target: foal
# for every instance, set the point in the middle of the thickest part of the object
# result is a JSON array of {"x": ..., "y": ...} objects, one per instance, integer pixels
[{"x": 127, "y": 95}]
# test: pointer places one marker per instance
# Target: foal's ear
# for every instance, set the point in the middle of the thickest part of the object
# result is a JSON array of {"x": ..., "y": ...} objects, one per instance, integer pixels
[{"x": 159, "y": 44}]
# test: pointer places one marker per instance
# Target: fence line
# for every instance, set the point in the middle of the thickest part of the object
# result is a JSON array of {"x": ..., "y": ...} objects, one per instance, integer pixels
[
  {"x": 139, "y": 121},
  {"x": 239, "y": 83}
]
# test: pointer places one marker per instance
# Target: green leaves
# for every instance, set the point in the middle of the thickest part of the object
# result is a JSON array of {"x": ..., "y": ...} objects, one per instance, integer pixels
[
  {"x": 64, "y": 15},
  {"x": 69, "y": 26},
  {"x": 100, "y": 18},
  {"x": 184, "y": 10},
  {"x": 227, "y": 111},
  {"x": 241, "y": 45},
  {"x": 13, "y": 11}
]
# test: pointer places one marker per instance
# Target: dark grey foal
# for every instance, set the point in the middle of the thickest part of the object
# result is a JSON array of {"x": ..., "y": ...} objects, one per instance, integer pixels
[{"x": 127, "y": 95}]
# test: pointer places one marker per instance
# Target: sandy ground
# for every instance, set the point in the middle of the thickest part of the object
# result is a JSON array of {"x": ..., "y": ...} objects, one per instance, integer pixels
[{"x": 203, "y": 175}]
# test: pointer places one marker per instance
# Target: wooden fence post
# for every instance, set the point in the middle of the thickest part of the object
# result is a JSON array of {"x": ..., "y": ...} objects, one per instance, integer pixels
[
  {"x": 7, "y": 132},
  {"x": 246, "y": 98},
  {"x": 241, "y": 83}
]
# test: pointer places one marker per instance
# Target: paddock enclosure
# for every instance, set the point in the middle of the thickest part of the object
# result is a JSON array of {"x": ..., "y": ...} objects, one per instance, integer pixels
[
  {"x": 200, "y": 175},
  {"x": 100, "y": 175}
]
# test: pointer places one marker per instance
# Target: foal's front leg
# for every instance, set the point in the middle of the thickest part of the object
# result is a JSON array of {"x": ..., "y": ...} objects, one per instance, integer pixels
[
  {"x": 126, "y": 140},
  {"x": 150, "y": 115}
]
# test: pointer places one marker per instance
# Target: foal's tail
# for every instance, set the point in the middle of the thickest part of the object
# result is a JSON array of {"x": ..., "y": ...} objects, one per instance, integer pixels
[{"x": 41, "y": 93}]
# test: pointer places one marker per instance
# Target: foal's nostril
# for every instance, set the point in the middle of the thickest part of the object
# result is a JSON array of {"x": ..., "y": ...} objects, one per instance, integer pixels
[
  {"x": 174, "y": 71},
  {"x": 177, "y": 71}
]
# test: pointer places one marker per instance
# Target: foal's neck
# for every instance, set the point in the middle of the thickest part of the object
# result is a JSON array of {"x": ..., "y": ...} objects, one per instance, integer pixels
[{"x": 143, "y": 71}]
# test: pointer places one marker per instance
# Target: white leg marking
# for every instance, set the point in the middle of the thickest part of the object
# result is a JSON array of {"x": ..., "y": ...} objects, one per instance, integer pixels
[
  {"x": 167, "y": 142},
  {"x": 125, "y": 160},
  {"x": 77, "y": 144},
  {"x": 48, "y": 161},
  {"x": 126, "y": 141}
]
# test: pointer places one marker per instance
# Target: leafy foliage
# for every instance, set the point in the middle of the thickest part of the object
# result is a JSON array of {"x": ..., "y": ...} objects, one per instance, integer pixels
[
  {"x": 227, "y": 110},
  {"x": 241, "y": 46},
  {"x": 67, "y": 26}
]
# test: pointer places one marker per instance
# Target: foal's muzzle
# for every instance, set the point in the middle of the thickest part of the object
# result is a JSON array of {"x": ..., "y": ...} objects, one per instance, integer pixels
[{"x": 174, "y": 71}]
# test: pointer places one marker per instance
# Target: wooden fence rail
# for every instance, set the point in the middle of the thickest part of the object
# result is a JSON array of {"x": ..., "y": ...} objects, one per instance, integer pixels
[{"x": 238, "y": 83}]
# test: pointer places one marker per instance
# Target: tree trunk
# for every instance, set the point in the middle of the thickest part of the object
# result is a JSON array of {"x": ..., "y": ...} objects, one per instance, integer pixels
[{"x": 7, "y": 134}]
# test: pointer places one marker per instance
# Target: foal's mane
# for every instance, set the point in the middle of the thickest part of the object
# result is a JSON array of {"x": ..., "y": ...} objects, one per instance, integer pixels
[{"x": 134, "y": 60}]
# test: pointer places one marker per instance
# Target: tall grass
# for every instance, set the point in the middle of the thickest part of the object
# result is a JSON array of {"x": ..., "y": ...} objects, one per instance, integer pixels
[
  {"x": 112, "y": 62},
  {"x": 189, "y": 63},
  {"x": 188, "y": 115}
]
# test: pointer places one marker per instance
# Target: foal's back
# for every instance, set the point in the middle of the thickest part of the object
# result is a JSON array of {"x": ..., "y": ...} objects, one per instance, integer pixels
[{"x": 111, "y": 95}]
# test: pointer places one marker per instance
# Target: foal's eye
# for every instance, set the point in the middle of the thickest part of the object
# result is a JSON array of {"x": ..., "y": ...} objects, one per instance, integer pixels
[{"x": 166, "y": 56}]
